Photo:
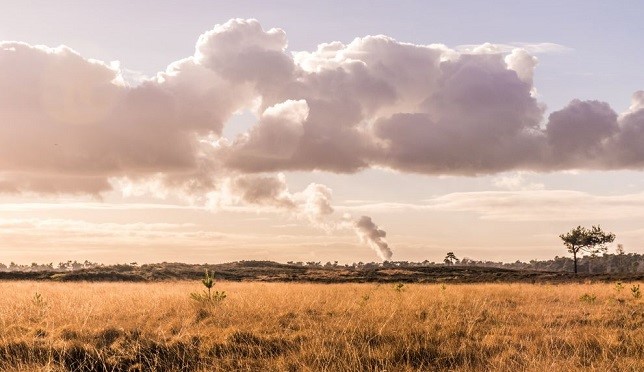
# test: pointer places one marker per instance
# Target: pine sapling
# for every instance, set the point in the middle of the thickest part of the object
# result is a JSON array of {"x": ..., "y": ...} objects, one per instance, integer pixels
[{"x": 208, "y": 295}]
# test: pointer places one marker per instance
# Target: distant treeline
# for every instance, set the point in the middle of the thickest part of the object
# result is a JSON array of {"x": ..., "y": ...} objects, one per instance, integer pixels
[
  {"x": 605, "y": 264},
  {"x": 61, "y": 266}
]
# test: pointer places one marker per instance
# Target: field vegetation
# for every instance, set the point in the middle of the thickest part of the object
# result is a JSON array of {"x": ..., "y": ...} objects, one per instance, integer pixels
[
  {"x": 625, "y": 268},
  {"x": 259, "y": 326}
]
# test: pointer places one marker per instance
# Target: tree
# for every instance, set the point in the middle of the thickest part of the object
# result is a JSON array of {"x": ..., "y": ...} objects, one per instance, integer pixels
[
  {"x": 620, "y": 249},
  {"x": 583, "y": 240},
  {"x": 620, "y": 256},
  {"x": 451, "y": 259}
]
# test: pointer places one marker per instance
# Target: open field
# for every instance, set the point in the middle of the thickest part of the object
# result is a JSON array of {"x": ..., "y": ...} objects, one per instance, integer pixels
[{"x": 315, "y": 327}]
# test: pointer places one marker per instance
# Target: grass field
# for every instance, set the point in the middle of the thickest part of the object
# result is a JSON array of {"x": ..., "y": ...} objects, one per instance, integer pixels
[{"x": 320, "y": 327}]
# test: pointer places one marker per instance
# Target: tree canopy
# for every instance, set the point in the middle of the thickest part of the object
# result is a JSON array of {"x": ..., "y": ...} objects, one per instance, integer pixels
[{"x": 583, "y": 240}]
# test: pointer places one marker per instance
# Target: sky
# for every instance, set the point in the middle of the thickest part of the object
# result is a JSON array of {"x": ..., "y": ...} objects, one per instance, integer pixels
[{"x": 200, "y": 131}]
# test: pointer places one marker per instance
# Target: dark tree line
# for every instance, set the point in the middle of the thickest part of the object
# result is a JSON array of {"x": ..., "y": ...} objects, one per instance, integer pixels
[{"x": 600, "y": 264}]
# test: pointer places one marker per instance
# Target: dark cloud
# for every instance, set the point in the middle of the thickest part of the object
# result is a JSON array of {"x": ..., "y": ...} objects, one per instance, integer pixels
[{"x": 579, "y": 133}]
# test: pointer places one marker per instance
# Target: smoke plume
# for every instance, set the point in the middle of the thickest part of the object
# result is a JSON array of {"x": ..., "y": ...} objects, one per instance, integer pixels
[{"x": 370, "y": 234}]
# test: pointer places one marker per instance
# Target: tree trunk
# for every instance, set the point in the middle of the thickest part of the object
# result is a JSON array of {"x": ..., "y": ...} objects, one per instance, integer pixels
[{"x": 574, "y": 257}]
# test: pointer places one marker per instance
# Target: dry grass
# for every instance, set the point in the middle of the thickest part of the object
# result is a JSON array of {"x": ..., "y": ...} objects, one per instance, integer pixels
[{"x": 315, "y": 327}]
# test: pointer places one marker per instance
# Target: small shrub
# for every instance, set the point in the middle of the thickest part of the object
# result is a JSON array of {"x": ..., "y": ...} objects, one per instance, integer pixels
[
  {"x": 399, "y": 287},
  {"x": 588, "y": 298},
  {"x": 423, "y": 315},
  {"x": 619, "y": 286},
  {"x": 40, "y": 305},
  {"x": 635, "y": 291},
  {"x": 38, "y": 300},
  {"x": 208, "y": 296}
]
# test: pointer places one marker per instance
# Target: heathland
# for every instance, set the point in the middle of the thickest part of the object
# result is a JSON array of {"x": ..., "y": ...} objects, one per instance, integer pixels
[
  {"x": 268, "y": 326},
  {"x": 605, "y": 268}
]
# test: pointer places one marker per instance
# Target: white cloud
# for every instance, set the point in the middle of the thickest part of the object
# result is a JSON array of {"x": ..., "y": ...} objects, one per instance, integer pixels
[
  {"x": 374, "y": 102},
  {"x": 73, "y": 125},
  {"x": 69, "y": 205},
  {"x": 533, "y": 48},
  {"x": 516, "y": 181},
  {"x": 527, "y": 205},
  {"x": 542, "y": 205}
]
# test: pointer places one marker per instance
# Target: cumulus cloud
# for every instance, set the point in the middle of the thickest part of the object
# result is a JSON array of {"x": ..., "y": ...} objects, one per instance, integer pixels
[
  {"x": 316, "y": 201},
  {"x": 242, "y": 52},
  {"x": 533, "y": 48},
  {"x": 70, "y": 124},
  {"x": 625, "y": 146},
  {"x": 275, "y": 139},
  {"x": 264, "y": 191},
  {"x": 579, "y": 133}
]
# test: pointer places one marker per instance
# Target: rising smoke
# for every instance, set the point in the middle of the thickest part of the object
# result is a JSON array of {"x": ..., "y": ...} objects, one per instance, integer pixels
[{"x": 370, "y": 234}]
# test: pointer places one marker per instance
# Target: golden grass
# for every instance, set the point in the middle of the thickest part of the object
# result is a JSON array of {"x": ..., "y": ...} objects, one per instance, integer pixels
[{"x": 315, "y": 327}]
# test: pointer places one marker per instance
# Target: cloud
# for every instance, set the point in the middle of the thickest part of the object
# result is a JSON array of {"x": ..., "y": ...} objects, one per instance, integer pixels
[
  {"x": 67, "y": 238},
  {"x": 542, "y": 205},
  {"x": 516, "y": 181},
  {"x": 625, "y": 146},
  {"x": 533, "y": 48},
  {"x": 70, "y": 205},
  {"x": 580, "y": 132},
  {"x": 525, "y": 205},
  {"x": 67, "y": 232},
  {"x": 242, "y": 52},
  {"x": 68, "y": 125},
  {"x": 275, "y": 138},
  {"x": 74, "y": 125},
  {"x": 264, "y": 190},
  {"x": 71, "y": 125}
]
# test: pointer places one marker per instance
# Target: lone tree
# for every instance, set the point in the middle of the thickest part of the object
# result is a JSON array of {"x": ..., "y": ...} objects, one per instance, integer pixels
[
  {"x": 451, "y": 259},
  {"x": 583, "y": 240}
]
